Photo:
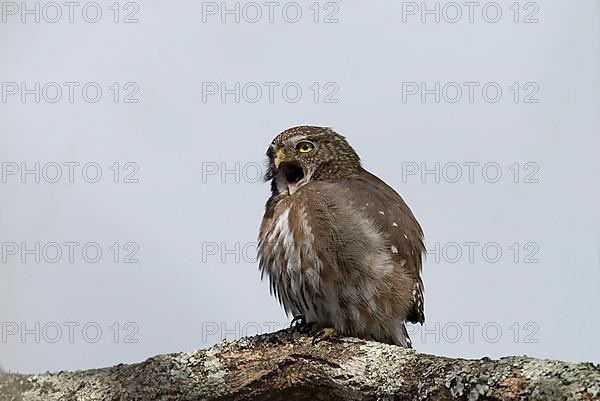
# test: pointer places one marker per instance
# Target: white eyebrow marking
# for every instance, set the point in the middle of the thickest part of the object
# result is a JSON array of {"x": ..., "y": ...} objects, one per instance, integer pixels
[
  {"x": 381, "y": 213},
  {"x": 296, "y": 138},
  {"x": 394, "y": 224},
  {"x": 394, "y": 249}
]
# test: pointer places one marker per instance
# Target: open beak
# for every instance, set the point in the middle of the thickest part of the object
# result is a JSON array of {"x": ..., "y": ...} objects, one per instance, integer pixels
[
  {"x": 289, "y": 168},
  {"x": 282, "y": 156}
]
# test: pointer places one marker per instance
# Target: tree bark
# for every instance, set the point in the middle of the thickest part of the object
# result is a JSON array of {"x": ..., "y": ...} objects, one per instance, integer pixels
[{"x": 286, "y": 366}]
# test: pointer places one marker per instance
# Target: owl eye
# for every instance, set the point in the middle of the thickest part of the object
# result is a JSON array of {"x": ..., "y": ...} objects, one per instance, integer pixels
[{"x": 305, "y": 147}]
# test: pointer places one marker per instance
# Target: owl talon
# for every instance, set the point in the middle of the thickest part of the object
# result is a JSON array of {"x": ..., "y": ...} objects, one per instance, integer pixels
[
  {"x": 298, "y": 322},
  {"x": 324, "y": 334}
]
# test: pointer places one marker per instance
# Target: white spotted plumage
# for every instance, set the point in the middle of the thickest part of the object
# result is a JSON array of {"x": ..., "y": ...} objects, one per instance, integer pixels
[
  {"x": 339, "y": 246},
  {"x": 297, "y": 281}
]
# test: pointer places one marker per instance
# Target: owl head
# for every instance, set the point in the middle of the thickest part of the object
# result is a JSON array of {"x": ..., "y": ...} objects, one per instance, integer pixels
[{"x": 303, "y": 154}]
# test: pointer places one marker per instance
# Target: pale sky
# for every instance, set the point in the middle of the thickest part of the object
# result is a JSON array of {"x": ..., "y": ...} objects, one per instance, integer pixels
[{"x": 136, "y": 134}]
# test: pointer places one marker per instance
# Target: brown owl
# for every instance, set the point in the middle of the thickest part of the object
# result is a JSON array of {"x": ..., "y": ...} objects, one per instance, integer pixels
[{"x": 341, "y": 248}]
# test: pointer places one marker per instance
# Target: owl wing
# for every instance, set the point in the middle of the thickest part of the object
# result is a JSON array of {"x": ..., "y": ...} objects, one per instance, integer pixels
[{"x": 386, "y": 207}]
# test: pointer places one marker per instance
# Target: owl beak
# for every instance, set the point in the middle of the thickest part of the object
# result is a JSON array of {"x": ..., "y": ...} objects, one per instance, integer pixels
[
  {"x": 282, "y": 156},
  {"x": 289, "y": 169}
]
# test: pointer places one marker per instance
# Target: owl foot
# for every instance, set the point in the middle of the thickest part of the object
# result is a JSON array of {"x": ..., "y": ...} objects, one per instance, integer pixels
[
  {"x": 324, "y": 334},
  {"x": 298, "y": 322}
]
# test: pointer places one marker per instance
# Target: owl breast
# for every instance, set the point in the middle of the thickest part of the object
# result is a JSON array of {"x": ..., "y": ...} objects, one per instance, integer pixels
[
  {"x": 287, "y": 254},
  {"x": 357, "y": 295}
]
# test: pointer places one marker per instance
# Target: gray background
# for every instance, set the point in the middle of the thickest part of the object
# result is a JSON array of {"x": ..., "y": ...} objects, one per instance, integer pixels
[{"x": 187, "y": 289}]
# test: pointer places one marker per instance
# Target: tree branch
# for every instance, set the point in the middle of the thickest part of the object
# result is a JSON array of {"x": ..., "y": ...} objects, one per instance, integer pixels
[{"x": 287, "y": 366}]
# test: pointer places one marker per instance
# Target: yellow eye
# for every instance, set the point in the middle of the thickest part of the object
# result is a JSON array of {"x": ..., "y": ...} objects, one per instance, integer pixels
[{"x": 304, "y": 147}]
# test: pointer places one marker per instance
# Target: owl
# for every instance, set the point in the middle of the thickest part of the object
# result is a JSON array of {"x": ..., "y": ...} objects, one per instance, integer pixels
[{"x": 341, "y": 249}]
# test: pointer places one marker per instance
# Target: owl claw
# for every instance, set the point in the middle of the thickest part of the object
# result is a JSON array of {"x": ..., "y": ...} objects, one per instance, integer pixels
[
  {"x": 298, "y": 322},
  {"x": 324, "y": 334}
]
